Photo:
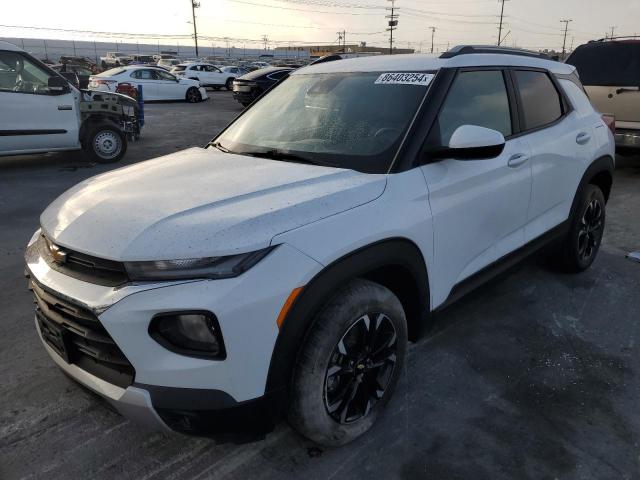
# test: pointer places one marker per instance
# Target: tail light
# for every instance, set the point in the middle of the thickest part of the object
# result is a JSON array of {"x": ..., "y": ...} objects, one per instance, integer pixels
[
  {"x": 610, "y": 121},
  {"x": 99, "y": 81}
]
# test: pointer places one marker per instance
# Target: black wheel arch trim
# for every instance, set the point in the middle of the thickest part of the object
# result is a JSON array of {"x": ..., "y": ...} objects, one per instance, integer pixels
[
  {"x": 604, "y": 165},
  {"x": 398, "y": 253}
]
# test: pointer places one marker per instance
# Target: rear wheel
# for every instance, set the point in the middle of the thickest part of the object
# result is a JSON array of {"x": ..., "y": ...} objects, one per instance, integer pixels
[
  {"x": 580, "y": 247},
  {"x": 193, "y": 95},
  {"x": 105, "y": 143},
  {"x": 349, "y": 365}
]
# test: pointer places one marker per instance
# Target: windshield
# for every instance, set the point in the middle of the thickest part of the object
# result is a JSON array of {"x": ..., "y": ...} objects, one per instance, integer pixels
[
  {"x": 612, "y": 64},
  {"x": 347, "y": 120}
]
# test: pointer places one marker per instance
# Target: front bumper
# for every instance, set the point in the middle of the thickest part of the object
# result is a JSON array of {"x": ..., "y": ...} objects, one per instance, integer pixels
[{"x": 175, "y": 392}]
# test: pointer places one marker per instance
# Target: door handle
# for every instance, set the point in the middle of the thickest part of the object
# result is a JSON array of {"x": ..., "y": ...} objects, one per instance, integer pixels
[
  {"x": 583, "y": 138},
  {"x": 518, "y": 159}
]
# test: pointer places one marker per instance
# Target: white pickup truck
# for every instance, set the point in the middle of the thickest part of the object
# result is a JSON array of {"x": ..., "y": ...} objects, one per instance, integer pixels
[{"x": 42, "y": 112}]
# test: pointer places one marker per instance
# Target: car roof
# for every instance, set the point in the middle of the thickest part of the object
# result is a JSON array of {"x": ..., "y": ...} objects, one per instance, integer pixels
[
  {"x": 10, "y": 46},
  {"x": 264, "y": 71},
  {"x": 422, "y": 62}
]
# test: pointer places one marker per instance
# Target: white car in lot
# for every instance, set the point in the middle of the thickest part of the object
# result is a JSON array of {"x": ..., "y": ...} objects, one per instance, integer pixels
[
  {"x": 208, "y": 75},
  {"x": 157, "y": 83},
  {"x": 282, "y": 269}
]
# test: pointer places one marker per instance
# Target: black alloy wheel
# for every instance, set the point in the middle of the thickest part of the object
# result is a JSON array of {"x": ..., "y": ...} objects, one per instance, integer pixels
[
  {"x": 590, "y": 230},
  {"x": 360, "y": 368}
]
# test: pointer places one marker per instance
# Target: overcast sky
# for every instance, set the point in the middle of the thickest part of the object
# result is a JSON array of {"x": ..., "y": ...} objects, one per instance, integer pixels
[{"x": 530, "y": 23}]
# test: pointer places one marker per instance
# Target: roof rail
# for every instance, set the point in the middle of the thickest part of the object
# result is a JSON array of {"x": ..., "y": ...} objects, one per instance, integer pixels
[
  {"x": 609, "y": 39},
  {"x": 474, "y": 49}
]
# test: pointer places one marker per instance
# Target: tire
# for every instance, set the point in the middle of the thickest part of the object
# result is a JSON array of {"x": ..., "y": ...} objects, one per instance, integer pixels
[
  {"x": 334, "y": 364},
  {"x": 105, "y": 143},
  {"x": 580, "y": 247},
  {"x": 229, "y": 84},
  {"x": 193, "y": 95}
]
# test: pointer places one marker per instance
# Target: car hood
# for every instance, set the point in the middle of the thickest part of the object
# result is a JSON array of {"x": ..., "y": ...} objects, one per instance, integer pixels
[{"x": 199, "y": 203}]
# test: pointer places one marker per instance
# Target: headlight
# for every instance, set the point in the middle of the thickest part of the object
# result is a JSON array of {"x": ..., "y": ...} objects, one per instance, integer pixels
[{"x": 192, "y": 268}]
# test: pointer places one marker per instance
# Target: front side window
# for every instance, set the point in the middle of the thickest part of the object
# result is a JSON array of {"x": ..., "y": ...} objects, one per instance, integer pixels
[
  {"x": 541, "y": 104},
  {"x": 476, "y": 98},
  {"x": 19, "y": 74},
  {"x": 160, "y": 75},
  {"x": 345, "y": 120}
]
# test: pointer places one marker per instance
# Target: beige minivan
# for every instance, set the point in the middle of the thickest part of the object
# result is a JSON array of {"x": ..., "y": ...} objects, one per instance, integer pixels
[{"x": 610, "y": 72}]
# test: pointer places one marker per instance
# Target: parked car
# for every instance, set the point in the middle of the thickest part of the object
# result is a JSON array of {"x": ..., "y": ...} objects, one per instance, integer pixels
[
  {"x": 80, "y": 72},
  {"x": 42, "y": 112},
  {"x": 157, "y": 83},
  {"x": 114, "y": 59},
  {"x": 168, "y": 63},
  {"x": 282, "y": 269},
  {"x": 610, "y": 73},
  {"x": 142, "y": 60},
  {"x": 208, "y": 75},
  {"x": 260, "y": 64},
  {"x": 250, "y": 86},
  {"x": 86, "y": 62}
]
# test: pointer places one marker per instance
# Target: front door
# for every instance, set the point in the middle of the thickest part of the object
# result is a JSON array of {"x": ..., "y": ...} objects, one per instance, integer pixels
[
  {"x": 33, "y": 117},
  {"x": 479, "y": 207}
]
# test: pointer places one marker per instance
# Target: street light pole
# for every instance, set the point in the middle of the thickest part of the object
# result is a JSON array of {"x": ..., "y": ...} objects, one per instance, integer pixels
[
  {"x": 500, "y": 27},
  {"x": 433, "y": 33}
]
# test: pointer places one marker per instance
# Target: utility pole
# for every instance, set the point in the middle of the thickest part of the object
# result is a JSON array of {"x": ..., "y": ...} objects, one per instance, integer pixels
[
  {"x": 613, "y": 28},
  {"x": 564, "y": 42},
  {"x": 393, "y": 24},
  {"x": 433, "y": 33},
  {"x": 500, "y": 27},
  {"x": 342, "y": 37},
  {"x": 265, "y": 40},
  {"x": 195, "y": 4}
]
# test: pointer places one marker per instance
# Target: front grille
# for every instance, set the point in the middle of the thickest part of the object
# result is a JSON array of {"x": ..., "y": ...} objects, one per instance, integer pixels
[
  {"x": 77, "y": 335},
  {"x": 84, "y": 267}
]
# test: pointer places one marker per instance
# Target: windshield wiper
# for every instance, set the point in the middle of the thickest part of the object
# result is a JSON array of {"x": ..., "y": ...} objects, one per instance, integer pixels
[
  {"x": 220, "y": 147},
  {"x": 275, "y": 154}
]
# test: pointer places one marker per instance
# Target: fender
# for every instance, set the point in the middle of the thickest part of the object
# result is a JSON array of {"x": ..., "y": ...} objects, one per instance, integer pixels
[
  {"x": 600, "y": 173},
  {"x": 396, "y": 263}
]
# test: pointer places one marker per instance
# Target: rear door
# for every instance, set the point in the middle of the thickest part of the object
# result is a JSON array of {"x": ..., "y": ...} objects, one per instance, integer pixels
[
  {"x": 559, "y": 142},
  {"x": 479, "y": 207},
  {"x": 33, "y": 117}
]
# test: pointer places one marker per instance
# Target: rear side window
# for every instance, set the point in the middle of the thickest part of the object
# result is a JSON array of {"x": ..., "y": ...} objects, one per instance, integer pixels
[
  {"x": 541, "y": 103},
  {"x": 475, "y": 98},
  {"x": 614, "y": 64}
]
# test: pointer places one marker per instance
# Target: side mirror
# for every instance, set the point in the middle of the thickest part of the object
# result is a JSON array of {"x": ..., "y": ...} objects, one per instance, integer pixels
[
  {"x": 58, "y": 85},
  {"x": 471, "y": 142}
]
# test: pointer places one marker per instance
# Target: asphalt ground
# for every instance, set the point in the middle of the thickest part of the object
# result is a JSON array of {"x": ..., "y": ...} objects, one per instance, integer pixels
[{"x": 534, "y": 375}]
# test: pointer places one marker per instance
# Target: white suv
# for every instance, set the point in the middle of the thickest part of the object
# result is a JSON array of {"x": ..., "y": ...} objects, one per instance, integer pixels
[{"x": 283, "y": 268}]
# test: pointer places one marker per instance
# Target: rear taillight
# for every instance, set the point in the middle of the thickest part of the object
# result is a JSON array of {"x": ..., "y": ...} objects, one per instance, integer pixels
[{"x": 610, "y": 121}]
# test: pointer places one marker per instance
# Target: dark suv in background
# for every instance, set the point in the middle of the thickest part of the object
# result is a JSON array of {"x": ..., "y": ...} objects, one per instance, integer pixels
[{"x": 250, "y": 86}]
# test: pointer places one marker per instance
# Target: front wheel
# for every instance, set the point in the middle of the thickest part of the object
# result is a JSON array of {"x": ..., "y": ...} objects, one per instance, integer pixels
[
  {"x": 580, "y": 247},
  {"x": 105, "y": 143},
  {"x": 349, "y": 365},
  {"x": 229, "y": 84},
  {"x": 193, "y": 95}
]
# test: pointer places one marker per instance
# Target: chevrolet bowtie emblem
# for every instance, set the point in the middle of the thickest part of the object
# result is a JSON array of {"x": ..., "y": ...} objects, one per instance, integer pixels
[{"x": 59, "y": 255}]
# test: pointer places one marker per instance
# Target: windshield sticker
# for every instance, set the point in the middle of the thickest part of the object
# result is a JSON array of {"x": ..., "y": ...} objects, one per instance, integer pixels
[{"x": 404, "y": 79}]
